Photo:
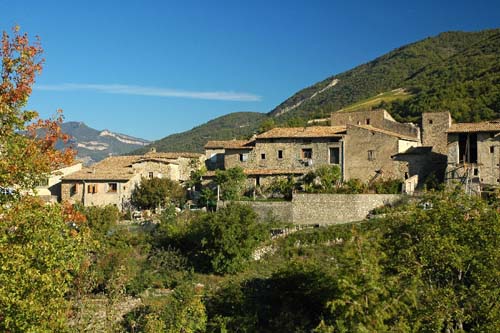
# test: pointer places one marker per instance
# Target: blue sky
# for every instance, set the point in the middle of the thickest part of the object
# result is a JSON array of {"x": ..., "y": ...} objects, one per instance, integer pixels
[{"x": 153, "y": 68}]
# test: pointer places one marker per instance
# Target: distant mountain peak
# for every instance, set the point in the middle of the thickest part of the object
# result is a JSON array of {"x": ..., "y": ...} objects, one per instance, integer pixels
[{"x": 93, "y": 145}]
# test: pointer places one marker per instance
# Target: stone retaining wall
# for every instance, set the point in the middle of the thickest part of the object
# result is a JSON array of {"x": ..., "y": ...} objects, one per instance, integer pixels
[{"x": 322, "y": 209}]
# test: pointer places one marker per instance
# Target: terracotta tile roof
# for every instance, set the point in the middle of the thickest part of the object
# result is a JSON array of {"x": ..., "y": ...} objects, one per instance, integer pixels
[
  {"x": 485, "y": 126},
  {"x": 120, "y": 167},
  {"x": 227, "y": 144},
  {"x": 303, "y": 132},
  {"x": 111, "y": 168},
  {"x": 174, "y": 155},
  {"x": 386, "y": 132}
]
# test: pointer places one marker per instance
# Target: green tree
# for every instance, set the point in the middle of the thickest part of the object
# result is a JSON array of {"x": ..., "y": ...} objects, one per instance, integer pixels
[
  {"x": 41, "y": 247},
  {"x": 231, "y": 182},
  {"x": 324, "y": 179},
  {"x": 449, "y": 243},
  {"x": 267, "y": 124},
  {"x": 157, "y": 192},
  {"x": 230, "y": 235},
  {"x": 39, "y": 253}
]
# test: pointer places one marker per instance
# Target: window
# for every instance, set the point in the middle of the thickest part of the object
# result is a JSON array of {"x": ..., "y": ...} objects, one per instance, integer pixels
[
  {"x": 430, "y": 121},
  {"x": 334, "y": 155},
  {"x": 280, "y": 154},
  {"x": 112, "y": 187},
  {"x": 73, "y": 190},
  {"x": 151, "y": 175},
  {"x": 243, "y": 157},
  {"x": 371, "y": 155},
  {"x": 368, "y": 121},
  {"x": 263, "y": 156},
  {"x": 492, "y": 149},
  {"x": 467, "y": 147},
  {"x": 307, "y": 153},
  {"x": 92, "y": 188}
]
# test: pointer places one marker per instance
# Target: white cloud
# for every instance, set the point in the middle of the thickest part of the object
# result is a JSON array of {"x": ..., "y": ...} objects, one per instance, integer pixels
[{"x": 150, "y": 91}]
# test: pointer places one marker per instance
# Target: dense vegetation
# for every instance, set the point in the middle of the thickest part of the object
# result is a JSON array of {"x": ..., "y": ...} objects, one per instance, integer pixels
[
  {"x": 455, "y": 71},
  {"x": 429, "y": 265}
]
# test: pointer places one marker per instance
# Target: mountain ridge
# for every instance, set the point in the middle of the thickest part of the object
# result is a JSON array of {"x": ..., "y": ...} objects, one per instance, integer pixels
[{"x": 93, "y": 145}]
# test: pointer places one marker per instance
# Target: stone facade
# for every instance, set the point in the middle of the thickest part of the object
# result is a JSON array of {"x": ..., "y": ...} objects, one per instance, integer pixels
[
  {"x": 112, "y": 181},
  {"x": 369, "y": 154},
  {"x": 284, "y": 153},
  {"x": 434, "y": 130},
  {"x": 100, "y": 192},
  {"x": 51, "y": 192},
  {"x": 376, "y": 118}
]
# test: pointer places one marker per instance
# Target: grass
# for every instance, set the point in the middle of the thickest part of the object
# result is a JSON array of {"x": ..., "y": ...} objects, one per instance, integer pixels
[{"x": 367, "y": 104}]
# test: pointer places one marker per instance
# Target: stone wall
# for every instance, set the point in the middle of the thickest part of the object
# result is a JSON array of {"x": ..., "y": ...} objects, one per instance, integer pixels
[
  {"x": 337, "y": 208},
  {"x": 157, "y": 169},
  {"x": 78, "y": 192},
  {"x": 266, "y": 154},
  {"x": 322, "y": 209},
  {"x": 376, "y": 118},
  {"x": 368, "y": 155},
  {"x": 214, "y": 159},
  {"x": 401, "y": 128},
  {"x": 434, "y": 130},
  {"x": 269, "y": 210}
]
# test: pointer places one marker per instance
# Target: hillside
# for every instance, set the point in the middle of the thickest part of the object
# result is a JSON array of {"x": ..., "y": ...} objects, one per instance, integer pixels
[
  {"x": 455, "y": 71},
  {"x": 458, "y": 71},
  {"x": 93, "y": 145},
  {"x": 232, "y": 126}
]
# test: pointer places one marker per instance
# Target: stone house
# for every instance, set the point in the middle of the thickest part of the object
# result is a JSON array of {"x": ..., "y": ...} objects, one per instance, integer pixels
[
  {"x": 370, "y": 151},
  {"x": 112, "y": 181},
  {"x": 215, "y": 152},
  {"x": 284, "y": 152},
  {"x": 375, "y": 118},
  {"x": 371, "y": 145},
  {"x": 50, "y": 191},
  {"x": 296, "y": 151},
  {"x": 472, "y": 150}
]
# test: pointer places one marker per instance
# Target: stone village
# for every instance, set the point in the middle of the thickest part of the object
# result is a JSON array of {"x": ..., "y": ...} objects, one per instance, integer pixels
[{"x": 365, "y": 145}]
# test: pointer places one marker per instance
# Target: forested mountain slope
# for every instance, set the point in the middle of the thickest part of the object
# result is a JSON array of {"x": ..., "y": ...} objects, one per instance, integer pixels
[
  {"x": 458, "y": 71},
  {"x": 236, "y": 125}
]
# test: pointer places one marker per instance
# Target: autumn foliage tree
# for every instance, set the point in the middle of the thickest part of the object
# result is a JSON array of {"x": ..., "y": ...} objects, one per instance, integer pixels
[
  {"x": 41, "y": 246},
  {"x": 25, "y": 159}
]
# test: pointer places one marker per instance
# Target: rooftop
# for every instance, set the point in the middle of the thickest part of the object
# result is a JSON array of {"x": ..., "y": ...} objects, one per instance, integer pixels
[
  {"x": 227, "y": 144},
  {"x": 485, "y": 126},
  {"x": 303, "y": 132},
  {"x": 174, "y": 155},
  {"x": 120, "y": 167},
  {"x": 111, "y": 168},
  {"x": 386, "y": 132}
]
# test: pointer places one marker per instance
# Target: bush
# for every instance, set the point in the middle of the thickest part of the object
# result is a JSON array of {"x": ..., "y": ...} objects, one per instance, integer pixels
[
  {"x": 157, "y": 192},
  {"x": 231, "y": 182}
]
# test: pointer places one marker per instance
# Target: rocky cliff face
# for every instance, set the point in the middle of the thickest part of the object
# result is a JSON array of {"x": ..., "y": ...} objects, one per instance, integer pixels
[{"x": 93, "y": 145}]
